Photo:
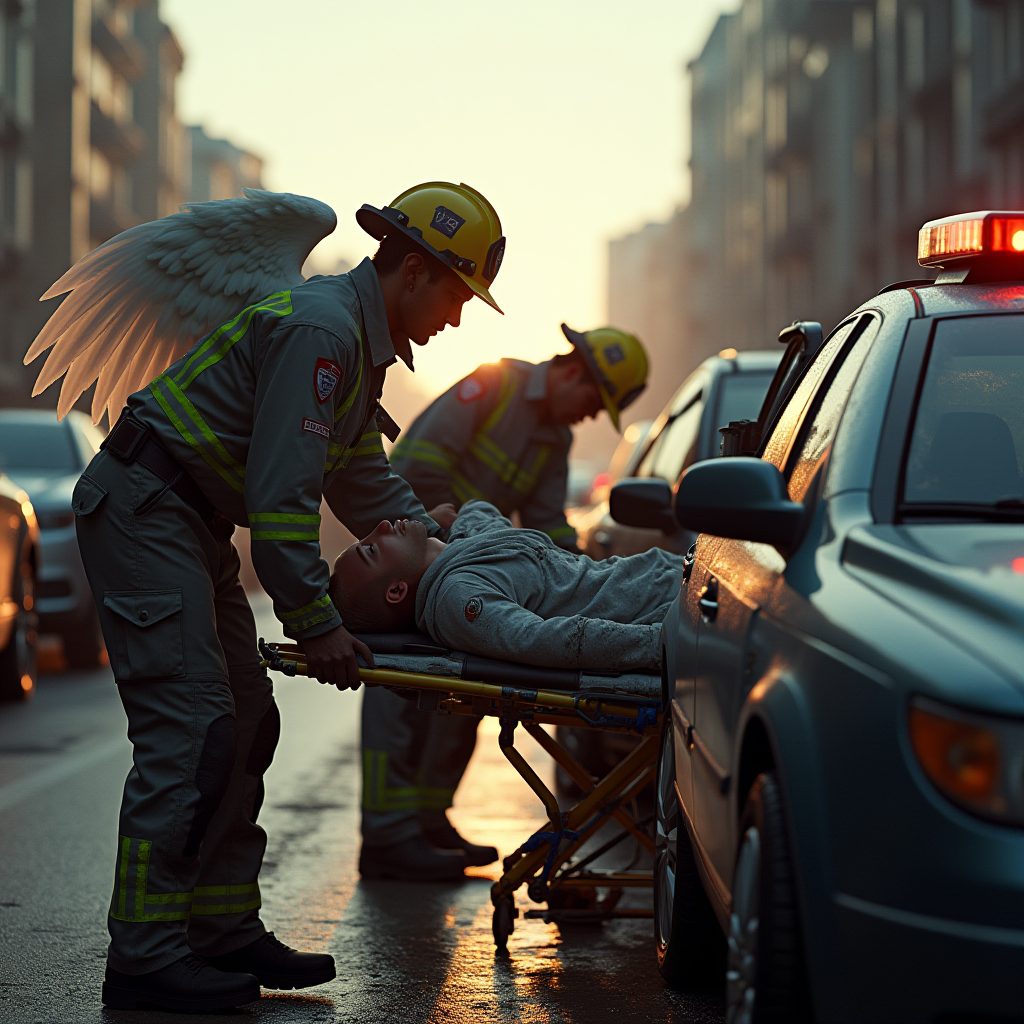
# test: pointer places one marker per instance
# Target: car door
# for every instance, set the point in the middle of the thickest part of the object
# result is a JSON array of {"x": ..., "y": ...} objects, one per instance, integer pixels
[{"x": 734, "y": 580}]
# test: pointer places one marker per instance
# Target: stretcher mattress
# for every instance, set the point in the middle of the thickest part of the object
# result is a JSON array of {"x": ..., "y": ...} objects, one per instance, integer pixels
[{"x": 417, "y": 652}]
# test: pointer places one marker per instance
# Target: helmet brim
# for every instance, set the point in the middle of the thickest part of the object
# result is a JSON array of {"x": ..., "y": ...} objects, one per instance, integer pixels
[
  {"x": 377, "y": 225},
  {"x": 579, "y": 342}
]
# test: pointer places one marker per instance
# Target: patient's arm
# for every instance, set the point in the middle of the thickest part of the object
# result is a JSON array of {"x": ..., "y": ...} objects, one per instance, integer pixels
[{"x": 470, "y": 616}]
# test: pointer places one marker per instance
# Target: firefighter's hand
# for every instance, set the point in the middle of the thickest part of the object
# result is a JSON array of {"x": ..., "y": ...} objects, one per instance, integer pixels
[
  {"x": 444, "y": 515},
  {"x": 331, "y": 658}
]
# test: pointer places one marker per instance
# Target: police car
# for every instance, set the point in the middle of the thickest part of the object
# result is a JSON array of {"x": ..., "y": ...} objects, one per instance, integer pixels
[{"x": 840, "y": 809}]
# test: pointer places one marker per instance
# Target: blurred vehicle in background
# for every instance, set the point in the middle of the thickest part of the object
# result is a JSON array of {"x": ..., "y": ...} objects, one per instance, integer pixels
[
  {"x": 45, "y": 458},
  {"x": 19, "y": 552},
  {"x": 724, "y": 388}
]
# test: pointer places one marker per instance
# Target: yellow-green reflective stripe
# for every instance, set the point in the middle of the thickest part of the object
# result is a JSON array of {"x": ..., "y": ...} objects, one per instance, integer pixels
[
  {"x": 305, "y": 538},
  {"x": 378, "y": 797},
  {"x": 201, "y": 909},
  {"x": 369, "y": 444},
  {"x": 351, "y": 397},
  {"x": 278, "y": 303},
  {"x": 230, "y": 470},
  {"x": 423, "y": 451},
  {"x": 561, "y": 531},
  {"x": 463, "y": 489},
  {"x": 283, "y": 517},
  {"x": 131, "y": 886},
  {"x": 507, "y": 390},
  {"x": 320, "y": 602}
]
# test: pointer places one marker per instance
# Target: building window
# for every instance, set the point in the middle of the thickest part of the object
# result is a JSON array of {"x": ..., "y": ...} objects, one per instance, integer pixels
[
  {"x": 775, "y": 118},
  {"x": 23, "y": 204},
  {"x": 109, "y": 91},
  {"x": 100, "y": 176},
  {"x": 23, "y": 82}
]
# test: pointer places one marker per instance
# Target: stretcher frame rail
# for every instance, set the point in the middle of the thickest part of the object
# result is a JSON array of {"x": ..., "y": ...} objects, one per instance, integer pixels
[{"x": 545, "y": 861}]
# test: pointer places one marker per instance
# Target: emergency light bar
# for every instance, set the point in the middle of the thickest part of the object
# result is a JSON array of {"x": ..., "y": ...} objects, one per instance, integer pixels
[{"x": 952, "y": 239}]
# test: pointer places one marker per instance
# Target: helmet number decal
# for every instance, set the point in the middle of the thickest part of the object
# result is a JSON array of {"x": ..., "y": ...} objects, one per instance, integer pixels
[
  {"x": 495, "y": 254},
  {"x": 613, "y": 354},
  {"x": 446, "y": 222},
  {"x": 326, "y": 378}
]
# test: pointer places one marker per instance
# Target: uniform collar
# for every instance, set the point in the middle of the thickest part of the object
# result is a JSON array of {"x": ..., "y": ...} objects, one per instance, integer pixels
[
  {"x": 375, "y": 317},
  {"x": 537, "y": 382}
]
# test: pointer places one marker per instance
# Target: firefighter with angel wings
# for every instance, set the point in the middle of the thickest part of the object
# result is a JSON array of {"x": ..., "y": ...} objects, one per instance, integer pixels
[{"x": 249, "y": 395}]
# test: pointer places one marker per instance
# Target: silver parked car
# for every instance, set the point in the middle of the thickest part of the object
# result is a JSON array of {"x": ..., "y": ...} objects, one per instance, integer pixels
[{"x": 45, "y": 458}]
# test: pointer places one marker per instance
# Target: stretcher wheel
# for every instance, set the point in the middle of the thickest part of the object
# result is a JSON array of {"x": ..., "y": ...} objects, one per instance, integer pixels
[{"x": 503, "y": 922}]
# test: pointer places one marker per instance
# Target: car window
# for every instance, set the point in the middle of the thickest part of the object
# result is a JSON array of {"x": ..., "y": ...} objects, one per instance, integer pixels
[
  {"x": 817, "y": 437},
  {"x": 740, "y": 396},
  {"x": 676, "y": 446},
  {"x": 967, "y": 442},
  {"x": 781, "y": 440},
  {"x": 38, "y": 448},
  {"x": 686, "y": 398}
]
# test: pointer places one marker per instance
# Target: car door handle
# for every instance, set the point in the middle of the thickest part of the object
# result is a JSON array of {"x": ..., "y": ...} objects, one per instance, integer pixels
[{"x": 709, "y": 600}]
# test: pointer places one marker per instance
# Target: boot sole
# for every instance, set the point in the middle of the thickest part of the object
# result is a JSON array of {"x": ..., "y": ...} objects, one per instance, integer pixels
[
  {"x": 130, "y": 999},
  {"x": 291, "y": 981}
]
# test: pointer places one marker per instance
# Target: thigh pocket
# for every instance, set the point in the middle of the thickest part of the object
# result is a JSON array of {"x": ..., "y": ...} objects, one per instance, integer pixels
[{"x": 148, "y": 634}]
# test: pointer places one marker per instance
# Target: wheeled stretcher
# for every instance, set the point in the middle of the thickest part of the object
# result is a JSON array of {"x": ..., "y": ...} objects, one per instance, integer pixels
[{"x": 447, "y": 682}]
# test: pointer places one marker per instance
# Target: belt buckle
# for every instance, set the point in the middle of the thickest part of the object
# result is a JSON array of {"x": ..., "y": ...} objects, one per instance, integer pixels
[{"x": 126, "y": 438}]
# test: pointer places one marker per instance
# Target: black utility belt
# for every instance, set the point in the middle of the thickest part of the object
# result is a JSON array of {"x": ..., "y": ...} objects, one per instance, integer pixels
[{"x": 131, "y": 440}]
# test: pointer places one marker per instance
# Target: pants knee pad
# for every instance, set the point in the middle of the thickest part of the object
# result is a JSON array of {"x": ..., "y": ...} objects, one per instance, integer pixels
[
  {"x": 261, "y": 753},
  {"x": 212, "y": 777}
]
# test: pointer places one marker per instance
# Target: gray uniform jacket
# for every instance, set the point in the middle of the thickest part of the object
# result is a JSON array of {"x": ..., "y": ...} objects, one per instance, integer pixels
[
  {"x": 278, "y": 408},
  {"x": 485, "y": 438},
  {"x": 513, "y": 594}
]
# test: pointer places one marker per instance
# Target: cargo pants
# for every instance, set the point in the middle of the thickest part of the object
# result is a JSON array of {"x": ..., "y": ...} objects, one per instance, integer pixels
[
  {"x": 412, "y": 763},
  {"x": 201, "y": 718}
]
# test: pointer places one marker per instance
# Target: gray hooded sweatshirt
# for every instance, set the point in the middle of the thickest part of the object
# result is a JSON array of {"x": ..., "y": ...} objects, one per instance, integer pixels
[{"x": 514, "y": 594}]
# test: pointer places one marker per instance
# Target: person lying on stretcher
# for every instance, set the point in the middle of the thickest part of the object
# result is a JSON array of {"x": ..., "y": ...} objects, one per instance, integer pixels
[{"x": 502, "y": 592}]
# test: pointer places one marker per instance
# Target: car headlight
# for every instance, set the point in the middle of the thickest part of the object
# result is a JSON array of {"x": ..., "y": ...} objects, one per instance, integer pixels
[
  {"x": 974, "y": 759},
  {"x": 55, "y": 519}
]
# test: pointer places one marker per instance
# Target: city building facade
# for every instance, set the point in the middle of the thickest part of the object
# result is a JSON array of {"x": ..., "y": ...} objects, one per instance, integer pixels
[{"x": 824, "y": 133}]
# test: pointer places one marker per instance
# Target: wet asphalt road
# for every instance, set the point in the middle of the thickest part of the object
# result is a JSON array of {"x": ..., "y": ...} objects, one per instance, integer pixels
[{"x": 405, "y": 952}]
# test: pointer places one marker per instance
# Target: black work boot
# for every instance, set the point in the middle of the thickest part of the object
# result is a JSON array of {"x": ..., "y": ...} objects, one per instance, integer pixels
[
  {"x": 441, "y": 832},
  {"x": 189, "y": 984},
  {"x": 277, "y": 965},
  {"x": 414, "y": 860}
]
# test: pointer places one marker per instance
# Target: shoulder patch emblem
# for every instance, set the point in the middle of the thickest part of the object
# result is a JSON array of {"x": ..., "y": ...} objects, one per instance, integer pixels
[
  {"x": 316, "y": 427},
  {"x": 474, "y": 606},
  {"x": 470, "y": 390},
  {"x": 326, "y": 378}
]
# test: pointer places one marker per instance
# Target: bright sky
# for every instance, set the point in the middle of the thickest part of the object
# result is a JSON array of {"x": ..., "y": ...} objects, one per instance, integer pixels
[{"x": 571, "y": 116}]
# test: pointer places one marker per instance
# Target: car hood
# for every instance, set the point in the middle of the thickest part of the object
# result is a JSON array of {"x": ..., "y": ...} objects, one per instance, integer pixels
[
  {"x": 959, "y": 578},
  {"x": 47, "y": 490}
]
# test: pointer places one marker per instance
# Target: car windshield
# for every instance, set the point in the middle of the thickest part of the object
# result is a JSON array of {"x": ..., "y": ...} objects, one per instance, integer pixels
[
  {"x": 968, "y": 435},
  {"x": 739, "y": 398},
  {"x": 37, "y": 448}
]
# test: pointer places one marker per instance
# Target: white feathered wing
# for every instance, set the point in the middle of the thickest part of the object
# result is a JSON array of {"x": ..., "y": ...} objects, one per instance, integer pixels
[{"x": 140, "y": 301}]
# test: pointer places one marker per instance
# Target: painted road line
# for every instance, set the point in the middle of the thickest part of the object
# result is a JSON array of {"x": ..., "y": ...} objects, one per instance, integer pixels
[{"x": 14, "y": 792}]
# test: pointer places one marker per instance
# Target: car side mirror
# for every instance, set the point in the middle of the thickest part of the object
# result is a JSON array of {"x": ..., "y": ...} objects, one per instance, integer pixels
[
  {"x": 644, "y": 503},
  {"x": 741, "y": 497}
]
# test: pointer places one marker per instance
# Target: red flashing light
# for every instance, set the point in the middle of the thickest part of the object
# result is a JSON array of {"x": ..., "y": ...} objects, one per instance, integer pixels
[
  {"x": 1018, "y": 566},
  {"x": 970, "y": 235}
]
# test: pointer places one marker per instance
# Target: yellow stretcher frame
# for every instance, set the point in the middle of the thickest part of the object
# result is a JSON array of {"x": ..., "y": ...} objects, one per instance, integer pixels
[{"x": 543, "y": 863}]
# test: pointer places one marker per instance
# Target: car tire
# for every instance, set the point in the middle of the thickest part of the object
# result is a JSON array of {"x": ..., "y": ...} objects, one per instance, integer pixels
[
  {"x": 83, "y": 647},
  {"x": 19, "y": 667},
  {"x": 765, "y": 979},
  {"x": 688, "y": 941}
]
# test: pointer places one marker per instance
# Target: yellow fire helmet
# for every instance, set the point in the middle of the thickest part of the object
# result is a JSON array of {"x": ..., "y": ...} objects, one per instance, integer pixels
[
  {"x": 454, "y": 223},
  {"x": 618, "y": 363}
]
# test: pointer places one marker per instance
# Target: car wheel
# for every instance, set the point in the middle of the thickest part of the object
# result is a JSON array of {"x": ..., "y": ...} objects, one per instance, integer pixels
[
  {"x": 765, "y": 979},
  {"x": 18, "y": 662},
  {"x": 688, "y": 941},
  {"x": 83, "y": 647}
]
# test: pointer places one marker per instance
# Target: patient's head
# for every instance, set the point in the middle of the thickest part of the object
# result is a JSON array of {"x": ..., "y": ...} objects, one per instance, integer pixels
[{"x": 375, "y": 580}]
